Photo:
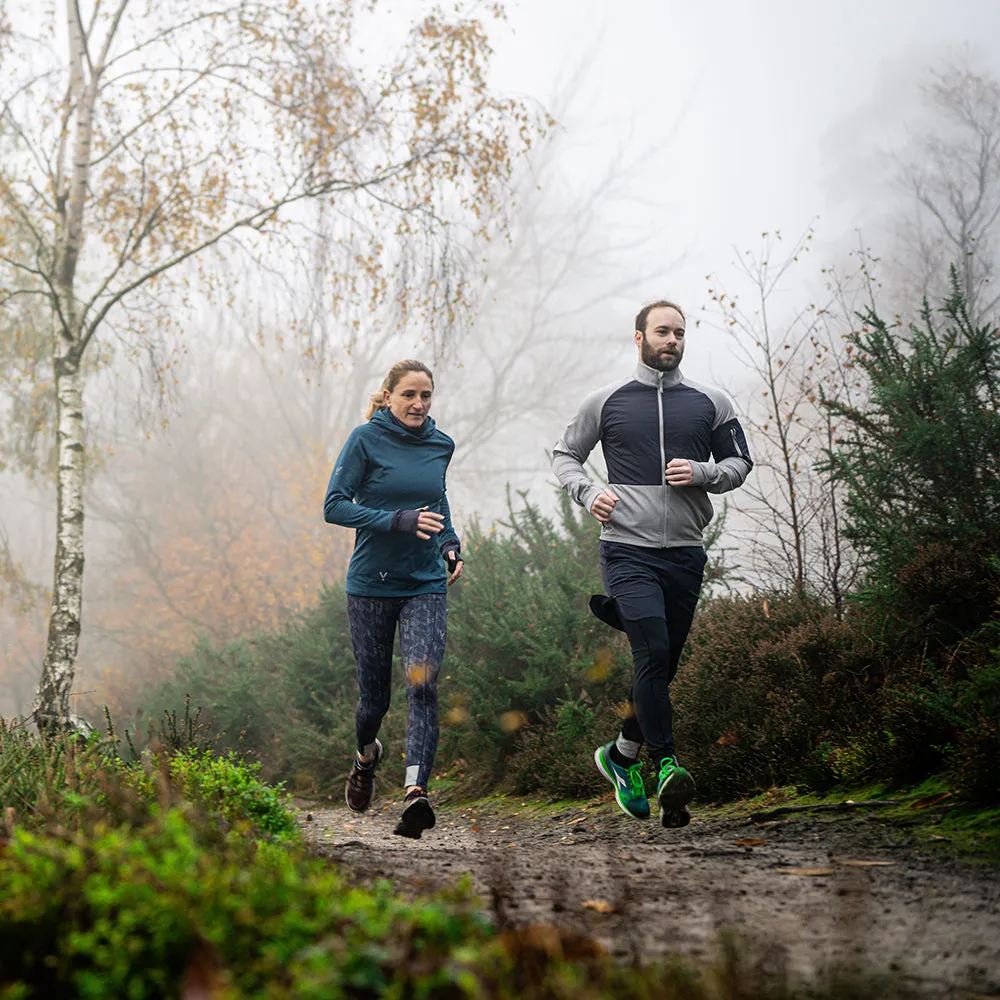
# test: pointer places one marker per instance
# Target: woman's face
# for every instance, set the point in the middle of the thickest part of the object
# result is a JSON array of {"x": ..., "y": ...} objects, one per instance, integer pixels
[{"x": 410, "y": 400}]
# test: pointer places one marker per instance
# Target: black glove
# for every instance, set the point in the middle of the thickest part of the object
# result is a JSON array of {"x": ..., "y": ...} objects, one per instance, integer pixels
[
  {"x": 452, "y": 553},
  {"x": 405, "y": 520}
]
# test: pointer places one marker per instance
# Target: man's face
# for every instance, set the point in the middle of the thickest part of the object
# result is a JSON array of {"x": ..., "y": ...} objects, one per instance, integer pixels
[{"x": 661, "y": 345}]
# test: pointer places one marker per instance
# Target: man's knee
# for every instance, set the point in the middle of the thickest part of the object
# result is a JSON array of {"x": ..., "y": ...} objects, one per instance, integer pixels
[{"x": 650, "y": 642}]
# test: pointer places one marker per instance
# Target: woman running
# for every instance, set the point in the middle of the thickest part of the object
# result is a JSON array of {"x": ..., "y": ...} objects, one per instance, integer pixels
[{"x": 389, "y": 484}]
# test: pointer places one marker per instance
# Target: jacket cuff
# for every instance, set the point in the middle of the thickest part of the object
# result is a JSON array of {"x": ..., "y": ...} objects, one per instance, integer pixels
[
  {"x": 406, "y": 521},
  {"x": 590, "y": 495},
  {"x": 701, "y": 473}
]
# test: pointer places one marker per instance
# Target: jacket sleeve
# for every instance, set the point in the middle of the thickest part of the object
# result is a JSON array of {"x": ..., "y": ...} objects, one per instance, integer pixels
[
  {"x": 448, "y": 538},
  {"x": 345, "y": 481},
  {"x": 574, "y": 447},
  {"x": 730, "y": 453}
]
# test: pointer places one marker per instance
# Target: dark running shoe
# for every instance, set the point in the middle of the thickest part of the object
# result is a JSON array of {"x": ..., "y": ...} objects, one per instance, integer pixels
[
  {"x": 360, "y": 788},
  {"x": 674, "y": 791},
  {"x": 418, "y": 815}
]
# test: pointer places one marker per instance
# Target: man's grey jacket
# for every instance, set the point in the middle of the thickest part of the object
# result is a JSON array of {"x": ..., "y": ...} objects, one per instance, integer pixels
[{"x": 642, "y": 422}]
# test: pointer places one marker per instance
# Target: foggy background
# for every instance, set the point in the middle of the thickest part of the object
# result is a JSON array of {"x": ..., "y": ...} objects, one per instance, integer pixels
[{"x": 684, "y": 132}]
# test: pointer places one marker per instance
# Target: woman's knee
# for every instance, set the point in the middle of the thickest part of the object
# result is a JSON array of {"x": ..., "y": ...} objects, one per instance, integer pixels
[{"x": 421, "y": 681}]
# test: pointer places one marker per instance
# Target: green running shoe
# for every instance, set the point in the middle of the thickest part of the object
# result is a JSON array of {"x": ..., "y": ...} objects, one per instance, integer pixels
[
  {"x": 673, "y": 792},
  {"x": 630, "y": 792}
]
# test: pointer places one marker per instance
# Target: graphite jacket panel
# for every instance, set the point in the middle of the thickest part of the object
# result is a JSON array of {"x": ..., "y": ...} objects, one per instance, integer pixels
[{"x": 643, "y": 422}]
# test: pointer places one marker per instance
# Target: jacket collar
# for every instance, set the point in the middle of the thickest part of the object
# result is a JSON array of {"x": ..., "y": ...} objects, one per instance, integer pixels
[
  {"x": 650, "y": 376},
  {"x": 384, "y": 418}
]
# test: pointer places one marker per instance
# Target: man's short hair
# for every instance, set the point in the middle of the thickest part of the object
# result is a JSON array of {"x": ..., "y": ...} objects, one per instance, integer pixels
[{"x": 643, "y": 315}]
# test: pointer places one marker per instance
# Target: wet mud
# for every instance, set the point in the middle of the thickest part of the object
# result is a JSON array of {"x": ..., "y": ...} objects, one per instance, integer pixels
[{"x": 808, "y": 892}]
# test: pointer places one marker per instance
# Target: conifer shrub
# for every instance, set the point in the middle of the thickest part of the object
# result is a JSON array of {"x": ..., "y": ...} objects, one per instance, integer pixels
[
  {"x": 529, "y": 668},
  {"x": 920, "y": 461}
]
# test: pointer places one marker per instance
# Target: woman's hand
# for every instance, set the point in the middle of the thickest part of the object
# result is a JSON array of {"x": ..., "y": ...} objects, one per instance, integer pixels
[
  {"x": 453, "y": 560},
  {"x": 429, "y": 523}
]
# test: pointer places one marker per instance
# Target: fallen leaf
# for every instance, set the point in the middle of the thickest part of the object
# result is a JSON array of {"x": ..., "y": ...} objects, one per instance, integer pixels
[
  {"x": 728, "y": 739},
  {"x": 599, "y": 905},
  {"x": 806, "y": 871},
  {"x": 750, "y": 842},
  {"x": 868, "y": 864},
  {"x": 931, "y": 800}
]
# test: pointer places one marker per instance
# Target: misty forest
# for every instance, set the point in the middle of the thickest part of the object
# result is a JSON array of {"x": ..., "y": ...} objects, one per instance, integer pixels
[{"x": 222, "y": 223}]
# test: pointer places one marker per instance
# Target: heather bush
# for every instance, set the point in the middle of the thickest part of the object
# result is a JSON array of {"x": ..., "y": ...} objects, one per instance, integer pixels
[
  {"x": 121, "y": 912},
  {"x": 772, "y": 691},
  {"x": 75, "y": 783}
]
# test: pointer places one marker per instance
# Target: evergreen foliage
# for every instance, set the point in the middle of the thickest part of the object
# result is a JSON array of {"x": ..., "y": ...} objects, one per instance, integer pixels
[{"x": 921, "y": 463}]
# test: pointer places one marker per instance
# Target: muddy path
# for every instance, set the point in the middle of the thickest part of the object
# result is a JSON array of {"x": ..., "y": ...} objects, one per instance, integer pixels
[{"x": 809, "y": 890}]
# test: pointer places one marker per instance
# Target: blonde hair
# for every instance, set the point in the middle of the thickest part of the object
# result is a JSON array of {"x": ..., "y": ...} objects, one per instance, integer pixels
[{"x": 396, "y": 372}]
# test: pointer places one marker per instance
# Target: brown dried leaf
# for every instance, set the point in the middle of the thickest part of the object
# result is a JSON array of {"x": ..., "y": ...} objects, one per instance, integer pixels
[
  {"x": 806, "y": 872},
  {"x": 599, "y": 906},
  {"x": 750, "y": 842}
]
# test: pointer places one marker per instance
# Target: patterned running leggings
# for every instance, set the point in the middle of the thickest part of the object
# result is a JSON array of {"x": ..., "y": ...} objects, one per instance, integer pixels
[{"x": 422, "y": 622}]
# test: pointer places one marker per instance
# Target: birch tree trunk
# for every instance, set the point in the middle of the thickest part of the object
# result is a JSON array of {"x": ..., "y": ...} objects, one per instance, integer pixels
[{"x": 51, "y": 707}]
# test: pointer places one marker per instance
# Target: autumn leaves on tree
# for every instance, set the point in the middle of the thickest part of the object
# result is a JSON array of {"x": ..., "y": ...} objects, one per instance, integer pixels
[{"x": 140, "y": 139}]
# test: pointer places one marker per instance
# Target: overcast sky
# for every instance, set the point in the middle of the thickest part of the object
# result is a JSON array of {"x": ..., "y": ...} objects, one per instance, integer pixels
[{"x": 759, "y": 107}]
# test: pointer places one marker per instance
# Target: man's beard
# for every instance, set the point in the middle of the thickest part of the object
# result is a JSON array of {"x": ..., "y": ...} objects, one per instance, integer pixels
[{"x": 661, "y": 362}]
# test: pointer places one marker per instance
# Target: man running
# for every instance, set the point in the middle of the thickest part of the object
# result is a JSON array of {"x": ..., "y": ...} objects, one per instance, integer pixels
[{"x": 667, "y": 443}]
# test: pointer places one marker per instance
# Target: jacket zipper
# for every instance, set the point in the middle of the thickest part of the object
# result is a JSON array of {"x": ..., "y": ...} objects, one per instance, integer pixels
[{"x": 663, "y": 461}]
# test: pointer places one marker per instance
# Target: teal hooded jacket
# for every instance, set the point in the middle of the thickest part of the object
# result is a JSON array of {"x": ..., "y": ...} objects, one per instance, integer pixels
[{"x": 383, "y": 468}]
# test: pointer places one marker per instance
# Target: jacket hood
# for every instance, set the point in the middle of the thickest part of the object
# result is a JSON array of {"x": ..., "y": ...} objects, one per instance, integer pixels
[{"x": 385, "y": 419}]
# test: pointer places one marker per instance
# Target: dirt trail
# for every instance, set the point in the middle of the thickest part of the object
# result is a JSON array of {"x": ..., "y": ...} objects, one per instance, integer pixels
[{"x": 933, "y": 920}]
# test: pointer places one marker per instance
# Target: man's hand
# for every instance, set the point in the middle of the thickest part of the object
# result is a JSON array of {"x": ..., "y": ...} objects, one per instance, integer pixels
[
  {"x": 604, "y": 506},
  {"x": 456, "y": 572},
  {"x": 429, "y": 523},
  {"x": 679, "y": 472}
]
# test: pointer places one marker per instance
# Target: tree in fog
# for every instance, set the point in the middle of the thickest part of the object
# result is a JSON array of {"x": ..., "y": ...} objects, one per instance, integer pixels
[
  {"x": 135, "y": 138},
  {"x": 948, "y": 171},
  {"x": 260, "y": 423},
  {"x": 797, "y": 357}
]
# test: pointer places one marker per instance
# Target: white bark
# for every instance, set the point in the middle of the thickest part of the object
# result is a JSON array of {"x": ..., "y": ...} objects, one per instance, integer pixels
[{"x": 51, "y": 707}]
